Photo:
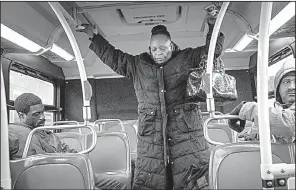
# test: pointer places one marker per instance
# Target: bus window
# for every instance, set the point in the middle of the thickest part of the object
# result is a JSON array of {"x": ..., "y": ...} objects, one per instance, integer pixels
[
  {"x": 272, "y": 70},
  {"x": 22, "y": 83}
]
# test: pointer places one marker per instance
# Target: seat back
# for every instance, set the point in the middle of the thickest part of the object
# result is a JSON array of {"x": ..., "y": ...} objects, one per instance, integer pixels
[
  {"x": 219, "y": 132},
  {"x": 246, "y": 159},
  {"x": 132, "y": 135},
  {"x": 52, "y": 171},
  {"x": 115, "y": 127},
  {"x": 75, "y": 140},
  {"x": 111, "y": 154}
]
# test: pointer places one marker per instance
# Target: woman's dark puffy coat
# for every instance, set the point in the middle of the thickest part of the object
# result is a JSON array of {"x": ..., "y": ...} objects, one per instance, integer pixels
[{"x": 170, "y": 129}]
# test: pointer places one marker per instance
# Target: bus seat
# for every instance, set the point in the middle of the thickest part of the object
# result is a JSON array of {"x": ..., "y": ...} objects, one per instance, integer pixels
[
  {"x": 132, "y": 136},
  {"x": 75, "y": 140},
  {"x": 52, "y": 171},
  {"x": 113, "y": 128},
  {"x": 245, "y": 156},
  {"x": 219, "y": 132},
  {"x": 111, "y": 161}
]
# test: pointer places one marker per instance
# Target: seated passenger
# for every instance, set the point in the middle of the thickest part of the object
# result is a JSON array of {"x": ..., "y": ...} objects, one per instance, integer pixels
[
  {"x": 282, "y": 115},
  {"x": 30, "y": 111}
]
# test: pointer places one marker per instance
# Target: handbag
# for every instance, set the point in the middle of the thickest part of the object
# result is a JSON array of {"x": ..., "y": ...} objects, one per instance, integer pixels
[{"x": 224, "y": 85}]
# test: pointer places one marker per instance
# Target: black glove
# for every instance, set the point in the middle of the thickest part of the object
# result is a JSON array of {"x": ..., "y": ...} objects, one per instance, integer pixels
[{"x": 233, "y": 123}]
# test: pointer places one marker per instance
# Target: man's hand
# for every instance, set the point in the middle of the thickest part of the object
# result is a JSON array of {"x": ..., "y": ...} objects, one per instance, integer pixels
[
  {"x": 88, "y": 29},
  {"x": 238, "y": 127}
]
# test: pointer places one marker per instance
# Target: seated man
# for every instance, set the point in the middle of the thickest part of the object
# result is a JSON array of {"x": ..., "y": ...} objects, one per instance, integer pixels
[
  {"x": 281, "y": 116},
  {"x": 30, "y": 110}
]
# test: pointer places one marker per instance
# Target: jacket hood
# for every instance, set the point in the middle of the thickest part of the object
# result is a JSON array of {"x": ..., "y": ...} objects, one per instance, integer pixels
[{"x": 287, "y": 67}]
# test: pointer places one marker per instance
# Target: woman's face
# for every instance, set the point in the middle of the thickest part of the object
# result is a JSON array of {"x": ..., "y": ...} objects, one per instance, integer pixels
[{"x": 160, "y": 48}]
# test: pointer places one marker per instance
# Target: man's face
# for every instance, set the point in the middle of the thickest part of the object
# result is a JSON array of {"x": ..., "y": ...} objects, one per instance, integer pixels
[
  {"x": 35, "y": 116},
  {"x": 287, "y": 88},
  {"x": 160, "y": 48}
]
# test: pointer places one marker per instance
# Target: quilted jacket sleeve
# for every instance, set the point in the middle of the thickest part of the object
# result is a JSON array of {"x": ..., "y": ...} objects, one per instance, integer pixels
[
  {"x": 199, "y": 54},
  {"x": 120, "y": 62}
]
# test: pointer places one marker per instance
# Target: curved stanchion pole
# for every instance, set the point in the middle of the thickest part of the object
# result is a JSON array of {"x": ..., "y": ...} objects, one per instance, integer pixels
[
  {"x": 215, "y": 117},
  {"x": 29, "y": 139},
  {"x": 66, "y": 122},
  {"x": 268, "y": 170},
  {"x": 210, "y": 99},
  {"x": 86, "y": 87},
  {"x": 5, "y": 169},
  {"x": 262, "y": 93},
  {"x": 107, "y": 120}
]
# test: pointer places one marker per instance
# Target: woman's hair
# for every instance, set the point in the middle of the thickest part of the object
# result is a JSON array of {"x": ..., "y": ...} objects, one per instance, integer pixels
[{"x": 160, "y": 29}]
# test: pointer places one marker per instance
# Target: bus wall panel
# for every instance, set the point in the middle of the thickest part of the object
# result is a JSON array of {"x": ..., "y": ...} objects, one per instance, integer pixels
[
  {"x": 116, "y": 98},
  {"x": 243, "y": 87},
  {"x": 73, "y": 101}
]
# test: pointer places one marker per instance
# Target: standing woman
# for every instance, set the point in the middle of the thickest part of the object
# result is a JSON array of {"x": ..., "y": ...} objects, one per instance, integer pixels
[{"x": 170, "y": 132}]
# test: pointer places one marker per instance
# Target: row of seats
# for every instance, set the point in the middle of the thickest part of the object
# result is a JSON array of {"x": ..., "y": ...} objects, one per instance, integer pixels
[
  {"x": 110, "y": 160},
  {"x": 245, "y": 156}
]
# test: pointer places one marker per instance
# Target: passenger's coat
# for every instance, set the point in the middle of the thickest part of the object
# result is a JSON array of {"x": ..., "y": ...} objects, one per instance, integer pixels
[{"x": 170, "y": 129}]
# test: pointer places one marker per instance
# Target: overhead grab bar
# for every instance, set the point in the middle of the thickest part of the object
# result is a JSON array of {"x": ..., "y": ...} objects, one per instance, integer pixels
[
  {"x": 29, "y": 138},
  {"x": 86, "y": 87},
  {"x": 209, "y": 77}
]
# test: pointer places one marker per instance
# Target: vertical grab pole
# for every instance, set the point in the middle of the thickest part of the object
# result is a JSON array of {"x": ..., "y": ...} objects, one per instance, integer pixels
[
  {"x": 86, "y": 87},
  {"x": 262, "y": 89},
  {"x": 209, "y": 78},
  {"x": 5, "y": 166}
]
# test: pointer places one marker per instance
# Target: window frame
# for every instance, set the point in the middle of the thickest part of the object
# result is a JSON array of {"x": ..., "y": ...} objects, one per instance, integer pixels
[
  {"x": 17, "y": 67},
  {"x": 273, "y": 59}
]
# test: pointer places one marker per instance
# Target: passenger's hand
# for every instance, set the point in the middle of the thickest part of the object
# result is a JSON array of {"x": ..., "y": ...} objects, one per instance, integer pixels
[
  {"x": 237, "y": 124},
  {"x": 88, "y": 29},
  {"x": 249, "y": 137},
  {"x": 210, "y": 19}
]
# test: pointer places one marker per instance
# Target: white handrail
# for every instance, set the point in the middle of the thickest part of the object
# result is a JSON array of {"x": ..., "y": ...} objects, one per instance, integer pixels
[
  {"x": 86, "y": 88},
  {"x": 262, "y": 91},
  {"x": 30, "y": 136},
  {"x": 209, "y": 78},
  {"x": 66, "y": 122},
  {"x": 5, "y": 169},
  {"x": 109, "y": 120},
  {"x": 215, "y": 117}
]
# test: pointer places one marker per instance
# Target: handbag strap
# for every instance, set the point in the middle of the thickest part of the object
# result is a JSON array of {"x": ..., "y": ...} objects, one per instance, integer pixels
[{"x": 219, "y": 65}]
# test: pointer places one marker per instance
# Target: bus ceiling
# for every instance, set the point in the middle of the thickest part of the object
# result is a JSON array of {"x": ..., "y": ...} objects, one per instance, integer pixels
[{"x": 185, "y": 20}]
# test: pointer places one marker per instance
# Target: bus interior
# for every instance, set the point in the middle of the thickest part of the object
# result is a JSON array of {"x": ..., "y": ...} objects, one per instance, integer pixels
[{"x": 37, "y": 57}]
